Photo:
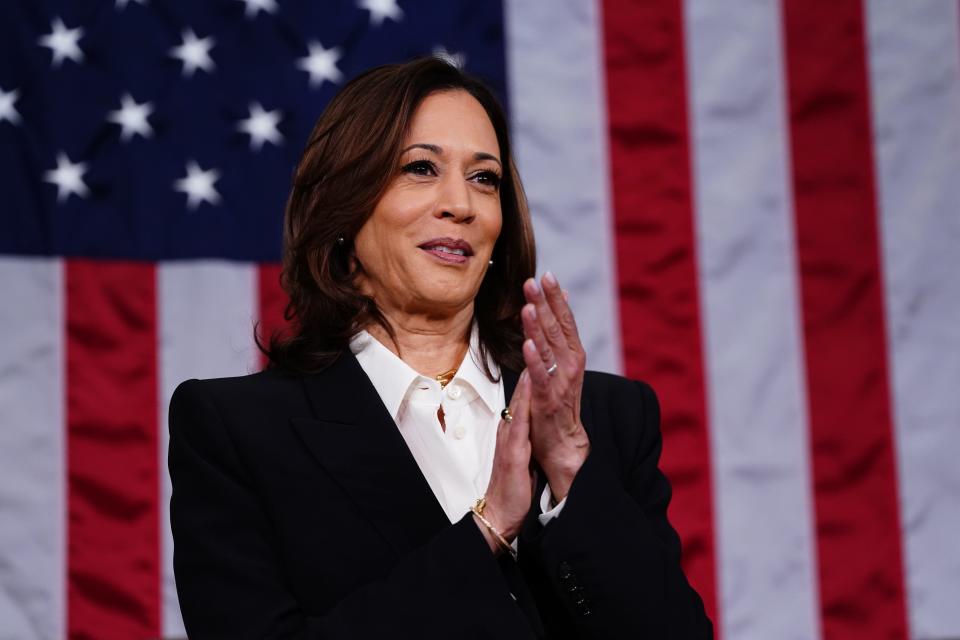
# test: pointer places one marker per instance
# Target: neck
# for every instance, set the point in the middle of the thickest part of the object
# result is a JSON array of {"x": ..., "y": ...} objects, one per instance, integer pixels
[{"x": 431, "y": 345}]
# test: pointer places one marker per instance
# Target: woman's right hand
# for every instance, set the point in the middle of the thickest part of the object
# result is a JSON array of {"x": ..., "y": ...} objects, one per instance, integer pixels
[{"x": 512, "y": 481}]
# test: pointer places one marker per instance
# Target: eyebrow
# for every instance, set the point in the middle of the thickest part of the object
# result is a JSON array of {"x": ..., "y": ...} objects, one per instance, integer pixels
[{"x": 437, "y": 149}]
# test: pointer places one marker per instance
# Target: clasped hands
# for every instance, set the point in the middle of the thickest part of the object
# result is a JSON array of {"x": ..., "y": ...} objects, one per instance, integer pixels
[{"x": 545, "y": 409}]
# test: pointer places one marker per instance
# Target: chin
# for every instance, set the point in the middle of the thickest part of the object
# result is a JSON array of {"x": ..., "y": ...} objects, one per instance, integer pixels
[{"x": 441, "y": 296}]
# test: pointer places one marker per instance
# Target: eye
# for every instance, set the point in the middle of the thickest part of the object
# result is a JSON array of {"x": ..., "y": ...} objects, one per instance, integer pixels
[
  {"x": 488, "y": 178},
  {"x": 420, "y": 168}
]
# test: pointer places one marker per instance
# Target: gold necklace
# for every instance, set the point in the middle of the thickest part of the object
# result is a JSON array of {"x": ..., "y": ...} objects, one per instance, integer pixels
[{"x": 445, "y": 377}]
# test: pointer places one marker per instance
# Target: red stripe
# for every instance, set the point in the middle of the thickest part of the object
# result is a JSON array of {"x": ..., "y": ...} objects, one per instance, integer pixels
[
  {"x": 656, "y": 258},
  {"x": 854, "y": 473},
  {"x": 113, "y": 556},
  {"x": 272, "y": 303}
]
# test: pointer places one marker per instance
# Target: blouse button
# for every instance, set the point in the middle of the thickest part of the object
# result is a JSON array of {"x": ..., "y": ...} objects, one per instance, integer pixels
[
  {"x": 459, "y": 432},
  {"x": 454, "y": 391}
]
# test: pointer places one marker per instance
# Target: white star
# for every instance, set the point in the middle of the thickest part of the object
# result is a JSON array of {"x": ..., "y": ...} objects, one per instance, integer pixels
[
  {"x": 68, "y": 177},
  {"x": 194, "y": 53},
  {"x": 198, "y": 185},
  {"x": 122, "y": 4},
  {"x": 7, "y": 110},
  {"x": 261, "y": 126},
  {"x": 63, "y": 42},
  {"x": 381, "y": 9},
  {"x": 321, "y": 64},
  {"x": 256, "y": 6},
  {"x": 459, "y": 60},
  {"x": 132, "y": 118}
]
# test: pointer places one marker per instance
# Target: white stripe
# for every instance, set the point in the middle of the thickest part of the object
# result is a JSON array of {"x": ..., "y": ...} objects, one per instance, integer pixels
[
  {"x": 32, "y": 455},
  {"x": 207, "y": 311},
  {"x": 558, "y": 111},
  {"x": 915, "y": 82},
  {"x": 753, "y": 338}
]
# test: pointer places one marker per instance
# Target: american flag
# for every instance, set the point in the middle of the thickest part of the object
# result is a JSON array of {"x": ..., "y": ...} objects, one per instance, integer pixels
[{"x": 755, "y": 205}]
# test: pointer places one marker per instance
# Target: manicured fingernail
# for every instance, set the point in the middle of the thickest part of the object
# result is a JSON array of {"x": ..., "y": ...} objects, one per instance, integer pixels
[
  {"x": 524, "y": 375},
  {"x": 535, "y": 285},
  {"x": 566, "y": 296},
  {"x": 550, "y": 278},
  {"x": 533, "y": 312}
]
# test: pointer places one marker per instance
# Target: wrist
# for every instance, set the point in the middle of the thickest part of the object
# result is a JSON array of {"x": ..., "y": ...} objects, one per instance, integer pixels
[
  {"x": 499, "y": 538},
  {"x": 495, "y": 547},
  {"x": 561, "y": 470}
]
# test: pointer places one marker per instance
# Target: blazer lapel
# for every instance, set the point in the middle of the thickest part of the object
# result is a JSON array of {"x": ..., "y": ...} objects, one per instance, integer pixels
[
  {"x": 358, "y": 443},
  {"x": 510, "y": 378}
]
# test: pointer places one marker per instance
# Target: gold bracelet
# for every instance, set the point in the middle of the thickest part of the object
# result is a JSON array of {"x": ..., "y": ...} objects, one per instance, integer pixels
[{"x": 477, "y": 510}]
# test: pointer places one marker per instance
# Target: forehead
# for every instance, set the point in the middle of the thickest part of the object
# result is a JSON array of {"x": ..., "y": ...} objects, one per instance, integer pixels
[{"x": 453, "y": 119}]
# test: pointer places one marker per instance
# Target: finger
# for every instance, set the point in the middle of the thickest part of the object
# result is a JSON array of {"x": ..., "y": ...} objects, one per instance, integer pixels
[
  {"x": 550, "y": 326},
  {"x": 513, "y": 406},
  {"x": 516, "y": 434},
  {"x": 520, "y": 409},
  {"x": 557, "y": 299},
  {"x": 533, "y": 330},
  {"x": 540, "y": 380}
]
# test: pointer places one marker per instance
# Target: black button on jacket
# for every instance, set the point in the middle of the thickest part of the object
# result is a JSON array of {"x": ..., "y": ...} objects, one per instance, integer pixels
[{"x": 299, "y": 513}]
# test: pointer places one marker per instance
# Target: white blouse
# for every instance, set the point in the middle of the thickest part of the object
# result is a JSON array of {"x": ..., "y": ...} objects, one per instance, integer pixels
[{"x": 456, "y": 462}]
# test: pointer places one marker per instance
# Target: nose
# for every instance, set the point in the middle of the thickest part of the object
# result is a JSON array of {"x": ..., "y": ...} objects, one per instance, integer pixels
[{"x": 455, "y": 201}]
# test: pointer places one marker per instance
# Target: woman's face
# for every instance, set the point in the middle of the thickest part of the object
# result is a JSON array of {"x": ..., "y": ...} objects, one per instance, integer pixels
[{"x": 427, "y": 245}]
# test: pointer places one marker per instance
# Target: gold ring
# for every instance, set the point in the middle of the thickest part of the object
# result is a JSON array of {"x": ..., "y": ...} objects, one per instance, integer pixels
[{"x": 506, "y": 415}]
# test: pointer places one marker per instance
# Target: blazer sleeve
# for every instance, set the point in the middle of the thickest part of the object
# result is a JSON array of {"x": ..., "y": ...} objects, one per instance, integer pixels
[
  {"x": 611, "y": 556},
  {"x": 229, "y": 578}
]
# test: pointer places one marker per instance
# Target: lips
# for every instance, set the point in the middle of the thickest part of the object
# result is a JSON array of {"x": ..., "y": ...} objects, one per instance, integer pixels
[{"x": 448, "y": 249}]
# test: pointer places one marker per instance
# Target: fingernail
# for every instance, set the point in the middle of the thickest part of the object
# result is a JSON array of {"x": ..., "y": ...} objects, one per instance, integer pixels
[
  {"x": 536, "y": 285},
  {"x": 566, "y": 296},
  {"x": 532, "y": 312},
  {"x": 524, "y": 375},
  {"x": 550, "y": 278}
]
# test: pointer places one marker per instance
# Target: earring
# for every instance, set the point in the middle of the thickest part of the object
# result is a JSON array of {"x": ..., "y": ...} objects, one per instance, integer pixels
[
  {"x": 491, "y": 263},
  {"x": 341, "y": 240}
]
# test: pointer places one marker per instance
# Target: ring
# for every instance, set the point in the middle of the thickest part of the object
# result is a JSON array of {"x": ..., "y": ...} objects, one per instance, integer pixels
[
  {"x": 506, "y": 415},
  {"x": 552, "y": 369}
]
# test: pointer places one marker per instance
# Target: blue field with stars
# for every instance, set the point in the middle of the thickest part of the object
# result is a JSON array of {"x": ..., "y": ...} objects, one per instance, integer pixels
[{"x": 158, "y": 130}]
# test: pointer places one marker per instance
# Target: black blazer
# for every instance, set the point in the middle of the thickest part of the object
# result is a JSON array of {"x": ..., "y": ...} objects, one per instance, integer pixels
[{"x": 299, "y": 512}]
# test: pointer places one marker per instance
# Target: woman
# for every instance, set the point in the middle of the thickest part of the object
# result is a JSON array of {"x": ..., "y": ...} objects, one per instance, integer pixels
[{"x": 371, "y": 483}]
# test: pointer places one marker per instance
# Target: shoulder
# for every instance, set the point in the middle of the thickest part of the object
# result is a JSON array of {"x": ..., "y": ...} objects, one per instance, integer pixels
[
  {"x": 243, "y": 398},
  {"x": 236, "y": 423},
  {"x": 611, "y": 381},
  {"x": 253, "y": 387},
  {"x": 621, "y": 414},
  {"x": 618, "y": 392}
]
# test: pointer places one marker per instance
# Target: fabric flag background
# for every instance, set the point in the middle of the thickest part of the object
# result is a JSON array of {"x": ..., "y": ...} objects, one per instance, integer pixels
[{"x": 755, "y": 205}]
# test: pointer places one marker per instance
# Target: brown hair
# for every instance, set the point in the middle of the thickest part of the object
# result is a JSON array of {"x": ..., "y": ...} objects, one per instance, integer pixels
[{"x": 352, "y": 156}]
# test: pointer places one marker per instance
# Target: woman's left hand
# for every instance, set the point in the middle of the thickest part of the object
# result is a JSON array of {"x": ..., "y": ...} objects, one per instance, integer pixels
[{"x": 555, "y": 359}]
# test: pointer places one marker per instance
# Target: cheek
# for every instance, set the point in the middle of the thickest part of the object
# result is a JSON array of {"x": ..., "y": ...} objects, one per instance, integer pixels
[
  {"x": 384, "y": 240},
  {"x": 399, "y": 214},
  {"x": 494, "y": 226}
]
